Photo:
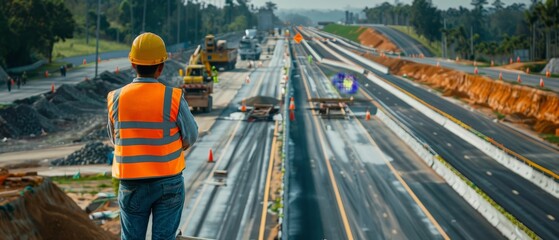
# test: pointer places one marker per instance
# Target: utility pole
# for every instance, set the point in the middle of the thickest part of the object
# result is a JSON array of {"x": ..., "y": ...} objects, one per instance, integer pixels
[
  {"x": 144, "y": 17},
  {"x": 97, "y": 38},
  {"x": 178, "y": 22},
  {"x": 472, "y": 41}
]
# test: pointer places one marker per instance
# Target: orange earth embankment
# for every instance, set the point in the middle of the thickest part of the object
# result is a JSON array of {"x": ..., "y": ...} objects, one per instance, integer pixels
[
  {"x": 532, "y": 106},
  {"x": 374, "y": 39}
]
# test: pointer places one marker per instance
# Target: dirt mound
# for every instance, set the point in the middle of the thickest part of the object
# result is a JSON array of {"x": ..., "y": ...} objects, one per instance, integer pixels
[
  {"x": 45, "y": 212},
  {"x": 374, "y": 39},
  {"x": 261, "y": 100},
  {"x": 532, "y": 106},
  {"x": 91, "y": 153},
  {"x": 43, "y": 113}
]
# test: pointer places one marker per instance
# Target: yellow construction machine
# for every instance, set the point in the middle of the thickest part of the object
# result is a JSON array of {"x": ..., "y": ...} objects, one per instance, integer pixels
[{"x": 198, "y": 82}]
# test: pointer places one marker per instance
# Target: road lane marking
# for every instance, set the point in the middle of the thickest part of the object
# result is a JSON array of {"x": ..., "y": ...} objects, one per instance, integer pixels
[
  {"x": 204, "y": 187},
  {"x": 267, "y": 186},
  {"x": 408, "y": 189},
  {"x": 333, "y": 182}
]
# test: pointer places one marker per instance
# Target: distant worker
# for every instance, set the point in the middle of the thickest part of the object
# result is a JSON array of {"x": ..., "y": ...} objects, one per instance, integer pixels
[
  {"x": 18, "y": 82},
  {"x": 24, "y": 77},
  {"x": 348, "y": 83},
  {"x": 214, "y": 74},
  {"x": 150, "y": 126},
  {"x": 309, "y": 58},
  {"x": 63, "y": 71},
  {"x": 9, "y": 83}
]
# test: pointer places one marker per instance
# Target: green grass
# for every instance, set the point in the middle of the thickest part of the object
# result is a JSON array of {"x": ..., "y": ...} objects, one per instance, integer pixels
[
  {"x": 551, "y": 138},
  {"x": 435, "y": 47},
  {"x": 350, "y": 32},
  {"x": 500, "y": 116},
  {"x": 77, "y": 46}
]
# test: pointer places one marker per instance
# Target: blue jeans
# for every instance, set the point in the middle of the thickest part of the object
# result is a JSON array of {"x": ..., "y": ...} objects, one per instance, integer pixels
[{"x": 162, "y": 197}]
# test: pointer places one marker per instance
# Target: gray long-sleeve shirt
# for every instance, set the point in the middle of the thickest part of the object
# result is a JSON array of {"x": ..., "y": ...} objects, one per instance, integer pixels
[{"x": 188, "y": 127}]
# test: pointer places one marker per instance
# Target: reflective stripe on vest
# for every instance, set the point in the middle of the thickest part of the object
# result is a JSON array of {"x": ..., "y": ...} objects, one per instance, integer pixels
[{"x": 148, "y": 143}]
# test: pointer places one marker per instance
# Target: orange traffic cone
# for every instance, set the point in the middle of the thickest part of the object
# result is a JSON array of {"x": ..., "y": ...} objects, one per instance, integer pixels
[
  {"x": 368, "y": 115},
  {"x": 98, "y": 59},
  {"x": 518, "y": 79},
  {"x": 84, "y": 62},
  {"x": 492, "y": 63},
  {"x": 291, "y": 116},
  {"x": 527, "y": 70},
  {"x": 247, "y": 80},
  {"x": 518, "y": 59},
  {"x": 243, "y": 106},
  {"x": 292, "y": 104},
  {"x": 47, "y": 74},
  {"x": 547, "y": 73},
  {"x": 476, "y": 71},
  {"x": 52, "y": 88},
  {"x": 541, "y": 83},
  {"x": 510, "y": 60},
  {"x": 211, "y": 156},
  {"x": 117, "y": 71},
  {"x": 438, "y": 64},
  {"x": 475, "y": 63}
]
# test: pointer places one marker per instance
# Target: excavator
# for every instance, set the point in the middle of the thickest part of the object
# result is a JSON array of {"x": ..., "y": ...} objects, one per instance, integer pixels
[{"x": 198, "y": 82}]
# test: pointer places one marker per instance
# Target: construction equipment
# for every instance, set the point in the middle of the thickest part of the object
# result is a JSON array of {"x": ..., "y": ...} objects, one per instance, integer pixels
[
  {"x": 217, "y": 54},
  {"x": 261, "y": 112},
  {"x": 198, "y": 82},
  {"x": 249, "y": 47},
  {"x": 332, "y": 107}
]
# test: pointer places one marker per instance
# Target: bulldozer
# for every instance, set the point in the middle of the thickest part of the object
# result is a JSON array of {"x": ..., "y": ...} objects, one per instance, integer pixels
[{"x": 198, "y": 82}]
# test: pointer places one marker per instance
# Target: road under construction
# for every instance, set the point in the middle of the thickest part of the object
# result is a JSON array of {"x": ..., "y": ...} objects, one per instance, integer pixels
[{"x": 393, "y": 161}]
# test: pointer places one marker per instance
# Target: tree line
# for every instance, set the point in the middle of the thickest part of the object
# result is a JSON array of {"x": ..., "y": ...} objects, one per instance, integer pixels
[
  {"x": 489, "y": 29},
  {"x": 176, "y": 21}
]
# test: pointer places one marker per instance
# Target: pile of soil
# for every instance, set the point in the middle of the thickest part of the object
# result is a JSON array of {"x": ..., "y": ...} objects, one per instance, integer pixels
[
  {"x": 92, "y": 153},
  {"x": 46, "y": 212},
  {"x": 374, "y": 39},
  {"x": 532, "y": 106},
  {"x": 261, "y": 100}
]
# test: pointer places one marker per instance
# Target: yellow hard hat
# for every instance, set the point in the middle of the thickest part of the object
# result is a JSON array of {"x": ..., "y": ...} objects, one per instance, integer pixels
[{"x": 148, "y": 49}]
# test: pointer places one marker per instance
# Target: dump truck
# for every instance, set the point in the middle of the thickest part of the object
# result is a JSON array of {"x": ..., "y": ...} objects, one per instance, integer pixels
[
  {"x": 249, "y": 46},
  {"x": 198, "y": 82},
  {"x": 217, "y": 54}
]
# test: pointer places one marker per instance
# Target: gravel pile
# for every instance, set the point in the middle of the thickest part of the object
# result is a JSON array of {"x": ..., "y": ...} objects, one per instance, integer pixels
[
  {"x": 91, "y": 153},
  {"x": 41, "y": 114}
]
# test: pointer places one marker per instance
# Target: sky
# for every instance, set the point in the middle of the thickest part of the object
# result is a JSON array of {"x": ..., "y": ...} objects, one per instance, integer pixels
[{"x": 337, "y": 4}]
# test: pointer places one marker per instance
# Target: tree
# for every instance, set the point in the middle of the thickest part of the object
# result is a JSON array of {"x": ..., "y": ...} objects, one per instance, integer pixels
[
  {"x": 498, "y": 5},
  {"x": 478, "y": 4},
  {"x": 426, "y": 19}
]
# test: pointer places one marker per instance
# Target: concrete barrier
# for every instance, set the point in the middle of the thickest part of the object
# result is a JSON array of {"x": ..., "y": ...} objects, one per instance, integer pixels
[
  {"x": 517, "y": 166},
  {"x": 313, "y": 53},
  {"x": 368, "y": 62}
]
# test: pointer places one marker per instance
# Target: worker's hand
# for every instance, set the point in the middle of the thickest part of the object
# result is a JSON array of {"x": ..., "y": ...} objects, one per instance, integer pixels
[{"x": 185, "y": 146}]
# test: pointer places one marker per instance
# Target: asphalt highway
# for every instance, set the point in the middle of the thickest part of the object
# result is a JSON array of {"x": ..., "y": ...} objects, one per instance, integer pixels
[
  {"x": 458, "y": 219},
  {"x": 224, "y": 199},
  {"x": 531, "y": 205},
  {"x": 406, "y": 44}
]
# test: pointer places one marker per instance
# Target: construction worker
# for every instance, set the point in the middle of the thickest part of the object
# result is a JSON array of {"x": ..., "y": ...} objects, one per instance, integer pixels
[
  {"x": 24, "y": 77},
  {"x": 214, "y": 74},
  {"x": 9, "y": 83},
  {"x": 150, "y": 126},
  {"x": 310, "y": 58}
]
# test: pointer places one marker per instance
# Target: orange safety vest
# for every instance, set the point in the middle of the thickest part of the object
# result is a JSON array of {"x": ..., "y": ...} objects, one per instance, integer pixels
[{"x": 147, "y": 139}]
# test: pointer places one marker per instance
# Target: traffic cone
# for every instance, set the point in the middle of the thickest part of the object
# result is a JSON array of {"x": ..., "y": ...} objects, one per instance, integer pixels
[
  {"x": 547, "y": 73},
  {"x": 510, "y": 60},
  {"x": 541, "y": 83},
  {"x": 527, "y": 70},
  {"x": 243, "y": 106},
  {"x": 492, "y": 63},
  {"x": 247, "y": 80},
  {"x": 292, "y": 104},
  {"x": 52, "y": 88},
  {"x": 475, "y": 63},
  {"x": 98, "y": 59},
  {"x": 84, "y": 62},
  {"x": 500, "y": 76},
  {"x": 211, "y": 156},
  {"x": 291, "y": 115},
  {"x": 47, "y": 74},
  {"x": 117, "y": 71},
  {"x": 476, "y": 71},
  {"x": 367, "y": 115},
  {"x": 438, "y": 64},
  {"x": 86, "y": 78},
  {"x": 518, "y": 59},
  {"x": 518, "y": 79}
]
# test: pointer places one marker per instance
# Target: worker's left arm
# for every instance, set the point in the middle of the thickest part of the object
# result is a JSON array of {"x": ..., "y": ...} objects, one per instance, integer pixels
[{"x": 187, "y": 125}]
